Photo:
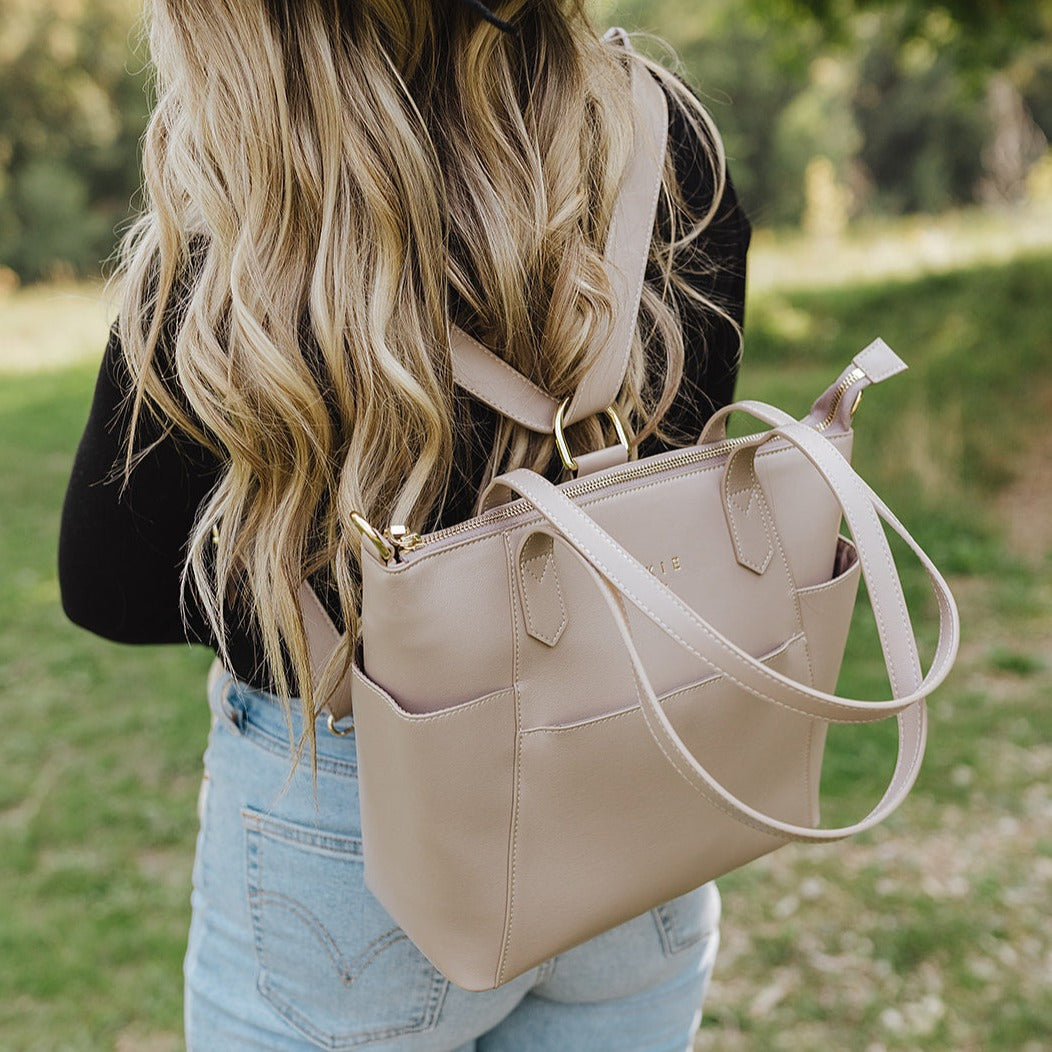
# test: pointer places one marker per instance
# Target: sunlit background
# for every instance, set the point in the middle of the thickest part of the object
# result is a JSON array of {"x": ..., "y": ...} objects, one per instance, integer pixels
[{"x": 894, "y": 159}]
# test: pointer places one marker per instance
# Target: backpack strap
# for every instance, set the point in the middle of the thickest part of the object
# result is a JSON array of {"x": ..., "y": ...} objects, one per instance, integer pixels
[
  {"x": 492, "y": 380},
  {"x": 501, "y": 386}
]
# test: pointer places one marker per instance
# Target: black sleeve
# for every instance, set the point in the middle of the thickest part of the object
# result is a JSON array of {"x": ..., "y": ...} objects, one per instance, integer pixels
[
  {"x": 714, "y": 267},
  {"x": 120, "y": 554}
]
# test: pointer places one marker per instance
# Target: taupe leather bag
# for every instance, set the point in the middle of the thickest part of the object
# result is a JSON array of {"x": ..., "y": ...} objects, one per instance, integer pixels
[{"x": 597, "y": 696}]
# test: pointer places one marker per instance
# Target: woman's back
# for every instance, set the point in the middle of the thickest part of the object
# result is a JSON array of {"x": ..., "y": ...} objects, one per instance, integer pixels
[{"x": 326, "y": 200}]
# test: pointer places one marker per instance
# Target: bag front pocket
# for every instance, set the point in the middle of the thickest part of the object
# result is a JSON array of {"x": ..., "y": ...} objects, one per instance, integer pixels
[
  {"x": 437, "y": 794},
  {"x": 331, "y": 960}
]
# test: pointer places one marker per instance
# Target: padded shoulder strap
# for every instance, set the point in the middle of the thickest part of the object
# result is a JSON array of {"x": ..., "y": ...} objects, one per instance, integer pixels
[{"x": 492, "y": 380}]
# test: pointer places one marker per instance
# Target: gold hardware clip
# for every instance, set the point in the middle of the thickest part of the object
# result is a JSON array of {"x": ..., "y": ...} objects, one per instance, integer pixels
[
  {"x": 560, "y": 433},
  {"x": 385, "y": 551},
  {"x": 338, "y": 731}
]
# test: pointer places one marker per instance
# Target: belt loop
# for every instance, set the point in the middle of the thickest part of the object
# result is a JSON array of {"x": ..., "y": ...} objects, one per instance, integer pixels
[{"x": 223, "y": 698}]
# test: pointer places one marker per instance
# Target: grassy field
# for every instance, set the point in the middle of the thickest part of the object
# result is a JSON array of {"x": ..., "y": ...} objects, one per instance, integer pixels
[{"x": 932, "y": 932}]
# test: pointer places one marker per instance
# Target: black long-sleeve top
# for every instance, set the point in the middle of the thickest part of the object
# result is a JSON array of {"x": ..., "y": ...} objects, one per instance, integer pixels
[{"x": 120, "y": 555}]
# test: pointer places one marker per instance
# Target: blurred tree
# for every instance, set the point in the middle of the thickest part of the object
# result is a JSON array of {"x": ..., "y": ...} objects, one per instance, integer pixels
[
  {"x": 1006, "y": 41},
  {"x": 906, "y": 106},
  {"x": 923, "y": 122},
  {"x": 992, "y": 29},
  {"x": 748, "y": 72},
  {"x": 916, "y": 107},
  {"x": 72, "y": 109}
]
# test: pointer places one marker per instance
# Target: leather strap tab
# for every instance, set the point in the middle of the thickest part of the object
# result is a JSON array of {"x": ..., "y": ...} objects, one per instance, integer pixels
[
  {"x": 601, "y": 460},
  {"x": 831, "y": 412},
  {"x": 748, "y": 515},
  {"x": 872, "y": 365},
  {"x": 492, "y": 380},
  {"x": 543, "y": 607},
  {"x": 879, "y": 362},
  {"x": 322, "y": 641}
]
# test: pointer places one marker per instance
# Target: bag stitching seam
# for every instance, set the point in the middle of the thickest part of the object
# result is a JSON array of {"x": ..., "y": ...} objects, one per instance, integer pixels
[
  {"x": 509, "y": 915},
  {"x": 417, "y": 719},
  {"x": 759, "y": 566},
  {"x": 663, "y": 700}
]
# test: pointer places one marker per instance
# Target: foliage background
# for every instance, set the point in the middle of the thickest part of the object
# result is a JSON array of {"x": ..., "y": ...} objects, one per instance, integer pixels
[
  {"x": 72, "y": 109},
  {"x": 830, "y": 110}
]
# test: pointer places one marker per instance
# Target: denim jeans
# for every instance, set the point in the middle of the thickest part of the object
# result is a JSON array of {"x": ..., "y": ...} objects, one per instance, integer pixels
[{"x": 288, "y": 950}]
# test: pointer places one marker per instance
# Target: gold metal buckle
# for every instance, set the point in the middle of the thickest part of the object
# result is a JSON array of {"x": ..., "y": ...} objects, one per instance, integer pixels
[
  {"x": 333, "y": 729},
  {"x": 560, "y": 433},
  {"x": 378, "y": 541}
]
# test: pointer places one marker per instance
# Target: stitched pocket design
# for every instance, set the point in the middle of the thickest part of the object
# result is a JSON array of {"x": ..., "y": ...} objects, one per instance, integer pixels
[{"x": 331, "y": 960}]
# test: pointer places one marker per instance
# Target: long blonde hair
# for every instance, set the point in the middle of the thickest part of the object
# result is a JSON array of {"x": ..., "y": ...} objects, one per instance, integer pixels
[{"x": 320, "y": 176}]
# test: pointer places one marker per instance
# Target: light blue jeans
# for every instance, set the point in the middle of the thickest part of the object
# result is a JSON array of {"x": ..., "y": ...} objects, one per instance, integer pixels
[{"x": 288, "y": 950}]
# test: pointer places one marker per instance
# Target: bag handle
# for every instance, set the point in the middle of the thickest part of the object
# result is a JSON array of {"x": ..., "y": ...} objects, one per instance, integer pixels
[
  {"x": 626, "y": 577},
  {"x": 492, "y": 380},
  {"x": 862, "y": 509}
]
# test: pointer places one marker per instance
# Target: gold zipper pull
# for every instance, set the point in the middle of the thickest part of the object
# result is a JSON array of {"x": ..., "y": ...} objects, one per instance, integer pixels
[{"x": 403, "y": 540}]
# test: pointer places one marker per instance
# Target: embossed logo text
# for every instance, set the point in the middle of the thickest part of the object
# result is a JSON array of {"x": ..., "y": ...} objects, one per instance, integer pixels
[{"x": 666, "y": 566}]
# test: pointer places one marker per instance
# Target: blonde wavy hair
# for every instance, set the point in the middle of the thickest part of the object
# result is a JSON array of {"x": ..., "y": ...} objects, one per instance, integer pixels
[{"x": 320, "y": 177}]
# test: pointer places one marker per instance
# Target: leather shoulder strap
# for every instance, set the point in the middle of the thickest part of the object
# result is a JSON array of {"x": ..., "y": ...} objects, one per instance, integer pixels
[
  {"x": 492, "y": 380},
  {"x": 488, "y": 377},
  {"x": 628, "y": 247}
]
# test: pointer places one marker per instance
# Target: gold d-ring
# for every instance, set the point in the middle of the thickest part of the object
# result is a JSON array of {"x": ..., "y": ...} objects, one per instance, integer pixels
[
  {"x": 377, "y": 539},
  {"x": 333, "y": 729},
  {"x": 560, "y": 433}
]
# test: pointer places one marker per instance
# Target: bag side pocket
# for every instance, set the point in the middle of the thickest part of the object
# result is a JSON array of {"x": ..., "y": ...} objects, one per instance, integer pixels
[
  {"x": 825, "y": 611},
  {"x": 437, "y": 807}
]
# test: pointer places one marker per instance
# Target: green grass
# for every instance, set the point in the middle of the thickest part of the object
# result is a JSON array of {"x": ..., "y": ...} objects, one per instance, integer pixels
[
  {"x": 931, "y": 932},
  {"x": 98, "y": 772}
]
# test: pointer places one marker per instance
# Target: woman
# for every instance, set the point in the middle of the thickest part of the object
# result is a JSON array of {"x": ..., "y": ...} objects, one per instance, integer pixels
[{"x": 330, "y": 186}]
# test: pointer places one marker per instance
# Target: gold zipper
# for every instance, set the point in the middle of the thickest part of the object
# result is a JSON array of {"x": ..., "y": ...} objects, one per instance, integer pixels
[
  {"x": 843, "y": 387},
  {"x": 410, "y": 542},
  {"x": 404, "y": 541}
]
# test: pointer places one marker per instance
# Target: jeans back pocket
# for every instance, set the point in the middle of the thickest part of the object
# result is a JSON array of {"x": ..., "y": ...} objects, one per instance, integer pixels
[
  {"x": 685, "y": 921},
  {"x": 332, "y": 962}
]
